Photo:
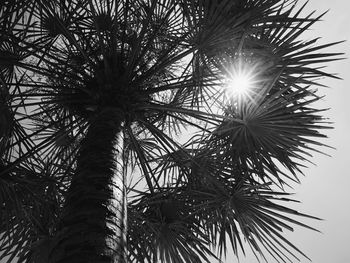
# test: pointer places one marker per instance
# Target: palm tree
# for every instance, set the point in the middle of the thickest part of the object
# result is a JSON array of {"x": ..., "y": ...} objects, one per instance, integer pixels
[{"x": 95, "y": 99}]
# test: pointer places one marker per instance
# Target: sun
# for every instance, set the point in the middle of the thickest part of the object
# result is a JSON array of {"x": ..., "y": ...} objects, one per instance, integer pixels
[
  {"x": 239, "y": 84},
  {"x": 240, "y": 81}
]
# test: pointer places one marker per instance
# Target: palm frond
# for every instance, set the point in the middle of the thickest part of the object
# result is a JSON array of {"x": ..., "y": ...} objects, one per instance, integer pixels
[
  {"x": 167, "y": 231},
  {"x": 31, "y": 198},
  {"x": 280, "y": 128}
]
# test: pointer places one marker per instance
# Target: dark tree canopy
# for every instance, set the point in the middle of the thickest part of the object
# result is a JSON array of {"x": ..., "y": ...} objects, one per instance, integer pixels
[{"x": 205, "y": 163}]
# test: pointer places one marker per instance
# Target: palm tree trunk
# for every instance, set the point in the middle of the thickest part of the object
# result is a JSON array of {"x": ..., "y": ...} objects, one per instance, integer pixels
[{"x": 93, "y": 226}]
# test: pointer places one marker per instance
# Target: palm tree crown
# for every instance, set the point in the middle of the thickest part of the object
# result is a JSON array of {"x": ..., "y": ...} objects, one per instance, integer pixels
[{"x": 98, "y": 99}]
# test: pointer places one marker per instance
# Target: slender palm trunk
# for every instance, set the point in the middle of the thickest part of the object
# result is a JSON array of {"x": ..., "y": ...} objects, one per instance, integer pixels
[{"x": 93, "y": 227}]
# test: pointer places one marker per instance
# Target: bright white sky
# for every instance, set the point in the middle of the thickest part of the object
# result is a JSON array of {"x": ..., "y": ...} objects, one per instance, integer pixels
[{"x": 324, "y": 191}]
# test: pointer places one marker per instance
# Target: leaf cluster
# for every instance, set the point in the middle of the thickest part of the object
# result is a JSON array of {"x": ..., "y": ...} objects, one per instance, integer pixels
[{"x": 163, "y": 65}]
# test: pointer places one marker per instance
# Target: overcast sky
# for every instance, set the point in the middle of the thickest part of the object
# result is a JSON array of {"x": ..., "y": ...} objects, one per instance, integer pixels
[{"x": 324, "y": 191}]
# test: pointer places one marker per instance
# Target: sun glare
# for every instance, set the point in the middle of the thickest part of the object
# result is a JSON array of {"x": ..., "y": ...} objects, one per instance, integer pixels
[
  {"x": 239, "y": 84},
  {"x": 240, "y": 81}
]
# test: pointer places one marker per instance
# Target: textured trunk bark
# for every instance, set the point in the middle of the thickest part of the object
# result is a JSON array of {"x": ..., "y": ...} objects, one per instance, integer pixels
[{"x": 93, "y": 227}]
